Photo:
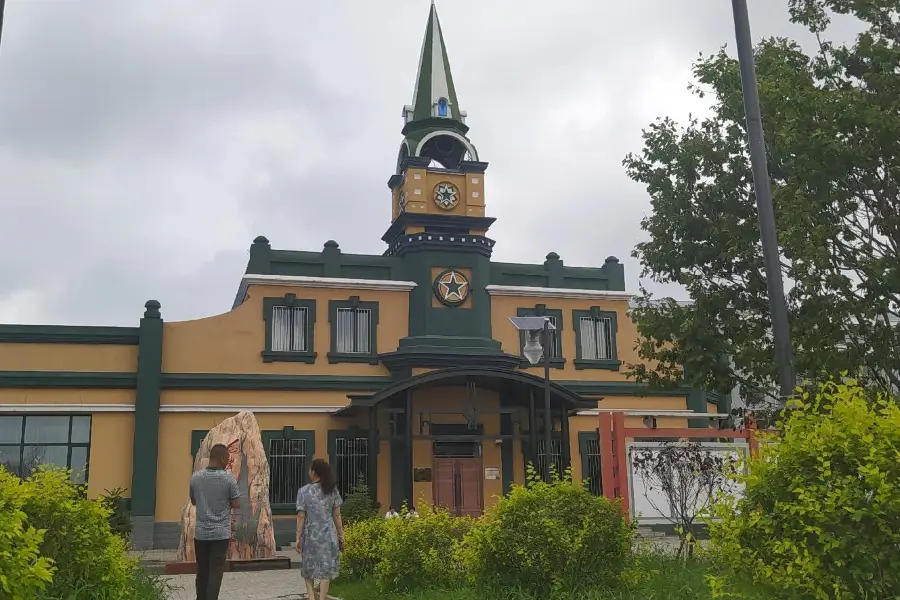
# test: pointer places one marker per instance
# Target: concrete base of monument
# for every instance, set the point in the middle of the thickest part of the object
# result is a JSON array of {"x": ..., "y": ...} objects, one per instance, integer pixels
[{"x": 277, "y": 563}]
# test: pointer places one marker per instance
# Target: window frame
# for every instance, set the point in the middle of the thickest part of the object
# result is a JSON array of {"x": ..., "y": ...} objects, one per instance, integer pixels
[
  {"x": 371, "y": 469},
  {"x": 541, "y": 310},
  {"x": 595, "y": 312},
  {"x": 290, "y": 301},
  {"x": 68, "y": 444},
  {"x": 584, "y": 438},
  {"x": 353, "y": 302},
  {"x": 289, "y": 433}
]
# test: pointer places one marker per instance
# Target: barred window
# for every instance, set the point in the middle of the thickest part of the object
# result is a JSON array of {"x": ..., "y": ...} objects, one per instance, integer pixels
[
  {"x": 590, "y": 466},
  {"x": 289, "y": 326},
  {"x": 596, "y": 338},
  {"x": 556, "y": 456},
  {"x": 353, "y": 330},
  {"x": 351, "y": 463},
  {"x": 287, "y": 469}
]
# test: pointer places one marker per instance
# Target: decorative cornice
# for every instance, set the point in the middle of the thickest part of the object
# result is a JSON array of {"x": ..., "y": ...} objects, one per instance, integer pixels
[
  {"x": 264, "y": 382},
  {"x": 68, "y": 379},
  {"x": 338, "y": 283},
  {"x": 236, "y": 408},
  {"x": 548, "y": 292},
  {"x": 66, "y": 408},
  {"x": 687, "y": 414},
  {"x": 68, "y": 334}
]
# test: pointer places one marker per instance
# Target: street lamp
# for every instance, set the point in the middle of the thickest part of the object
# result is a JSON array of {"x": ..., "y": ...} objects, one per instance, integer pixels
[
  {"x": 537, "y": 343},
  {"x": 762, "y": 189}
]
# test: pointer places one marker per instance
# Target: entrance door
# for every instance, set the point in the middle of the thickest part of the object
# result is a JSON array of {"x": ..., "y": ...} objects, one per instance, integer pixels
[{"x": 457, "y": 485}]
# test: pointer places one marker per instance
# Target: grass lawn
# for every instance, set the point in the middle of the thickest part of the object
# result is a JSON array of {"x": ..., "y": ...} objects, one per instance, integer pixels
[{"x": 664, "y": 579}]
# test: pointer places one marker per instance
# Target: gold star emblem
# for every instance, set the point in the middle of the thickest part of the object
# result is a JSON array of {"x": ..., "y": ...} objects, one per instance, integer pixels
[{"x": 452, "y": 287}]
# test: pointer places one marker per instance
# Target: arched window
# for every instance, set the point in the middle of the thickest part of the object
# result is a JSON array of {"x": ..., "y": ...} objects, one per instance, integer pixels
[{"x": 443, "y": 108}]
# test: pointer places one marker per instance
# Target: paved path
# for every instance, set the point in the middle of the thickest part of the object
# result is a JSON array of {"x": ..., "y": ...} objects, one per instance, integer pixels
[{"x": 264, "y": 585}]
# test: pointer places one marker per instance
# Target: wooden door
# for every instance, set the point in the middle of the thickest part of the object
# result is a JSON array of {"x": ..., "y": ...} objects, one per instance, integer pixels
[
  {"x": 444, "y": 483},
  {"x": 457, "y": 485},
  {"x": 471, "y": 493}
]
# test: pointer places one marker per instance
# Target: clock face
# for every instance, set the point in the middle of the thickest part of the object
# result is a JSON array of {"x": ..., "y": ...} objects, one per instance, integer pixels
[
  {"x": 451, "y": 287},
  {"x": 446, "y": 195},
  {"x": 401, "y": 201}
]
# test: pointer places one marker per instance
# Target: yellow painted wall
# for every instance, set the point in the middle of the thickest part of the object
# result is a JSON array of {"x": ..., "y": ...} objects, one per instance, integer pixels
[
  {"x": 68, "y": 357},
  {"x": 112, "y": 445},
  {"x": 232, "y": 342},
  {"x": 503, "y": 307},
  {"x": 65, "y": 396},
  {"x": 240, "y": 398}
]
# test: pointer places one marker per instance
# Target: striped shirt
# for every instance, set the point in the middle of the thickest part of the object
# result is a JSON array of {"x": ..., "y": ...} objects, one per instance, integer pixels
[{"x": 212, "y": 491}]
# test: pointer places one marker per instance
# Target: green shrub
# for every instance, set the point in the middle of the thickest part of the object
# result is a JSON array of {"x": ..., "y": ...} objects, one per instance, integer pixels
[
  {"x": 116, "y": 503},
  {"x": 549, "y": 537},
  {"x": 363, "y": 548},
  {"x": 91, "y": 560},
  {"x": 23, "y": 572},
  {"x": 418, "y": 552},
  {"x": 820, "y": 511},
  {"x": 358, "y": 505}
]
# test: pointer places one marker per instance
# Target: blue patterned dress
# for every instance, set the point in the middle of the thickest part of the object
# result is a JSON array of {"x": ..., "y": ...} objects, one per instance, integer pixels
[{"x": 320, "y": 557}]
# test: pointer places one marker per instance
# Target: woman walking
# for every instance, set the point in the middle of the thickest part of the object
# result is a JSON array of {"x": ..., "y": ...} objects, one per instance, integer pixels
[{"x": 320, "y": 533}]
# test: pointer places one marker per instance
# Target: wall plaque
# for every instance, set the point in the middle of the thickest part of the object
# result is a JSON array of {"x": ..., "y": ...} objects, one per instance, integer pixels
[
  {"x": 422, "y": 474},
  {"x": 491, "y": 473}
]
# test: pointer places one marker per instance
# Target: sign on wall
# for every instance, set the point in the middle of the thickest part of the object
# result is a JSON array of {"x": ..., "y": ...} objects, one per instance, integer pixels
[{"x": 491, "y": 473}]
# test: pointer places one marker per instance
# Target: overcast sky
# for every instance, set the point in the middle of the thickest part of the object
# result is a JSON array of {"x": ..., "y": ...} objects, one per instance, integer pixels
[{"x": 144, "y": 144}]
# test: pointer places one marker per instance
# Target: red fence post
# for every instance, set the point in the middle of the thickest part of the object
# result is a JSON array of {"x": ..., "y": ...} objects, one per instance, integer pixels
[
  {"x": 621, "y": 462},
  {"x": 607, "y": 457}
]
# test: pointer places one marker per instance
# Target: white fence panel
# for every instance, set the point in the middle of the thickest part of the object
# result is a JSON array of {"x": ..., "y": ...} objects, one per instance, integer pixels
[{"x": 649, "y": 505}]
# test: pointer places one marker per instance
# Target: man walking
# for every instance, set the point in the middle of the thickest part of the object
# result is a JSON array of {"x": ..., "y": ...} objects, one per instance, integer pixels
[{"x": 214, "y": 492}]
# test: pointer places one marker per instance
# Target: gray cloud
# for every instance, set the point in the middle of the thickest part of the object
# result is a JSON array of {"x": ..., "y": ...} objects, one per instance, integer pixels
[{"x": 143, "y": 145}]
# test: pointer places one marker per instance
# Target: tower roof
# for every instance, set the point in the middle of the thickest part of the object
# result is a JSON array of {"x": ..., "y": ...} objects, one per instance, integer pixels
[{"x": 434, "y": 95}]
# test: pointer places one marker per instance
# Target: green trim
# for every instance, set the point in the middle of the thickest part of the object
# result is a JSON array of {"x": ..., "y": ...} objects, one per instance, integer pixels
[
  {"x": 290, "y": 300},
  {"x": 291, "y": 383},
  {"x": 68, "y": 379},
  {"x": 583, "y": 438},
  {"x": 595, "y": 312},
  {"x": 146, "y": 413},
  {"x": 334, "y": 434},
  {"x": 293, "y": 434},
  {"x": 197, "y": 436},
  {"x": 619, "y": 388},
  {"x": 541, "y": 310},
  {"x": 507, "y": 475},
  {"x": 67, "y": 334},
  {"x": 370, "y": 357}
]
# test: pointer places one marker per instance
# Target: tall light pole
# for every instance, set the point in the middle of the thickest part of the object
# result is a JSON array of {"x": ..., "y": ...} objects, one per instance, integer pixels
[
  {"x": 2, "y": 6},
  {"x": 768, "y": 237},
  {"x": 537, "y": 344}
]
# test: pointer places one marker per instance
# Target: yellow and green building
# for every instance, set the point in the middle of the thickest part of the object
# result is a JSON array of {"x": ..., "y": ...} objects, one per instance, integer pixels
[{"x": 401, "y": 368}]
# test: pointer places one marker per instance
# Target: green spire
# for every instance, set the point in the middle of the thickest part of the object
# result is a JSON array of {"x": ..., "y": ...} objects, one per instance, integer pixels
[{"x": 435, "y": 94}]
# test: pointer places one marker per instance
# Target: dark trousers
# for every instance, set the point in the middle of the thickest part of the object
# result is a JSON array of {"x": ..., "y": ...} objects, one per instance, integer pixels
[{"x": 211, "y": 556}]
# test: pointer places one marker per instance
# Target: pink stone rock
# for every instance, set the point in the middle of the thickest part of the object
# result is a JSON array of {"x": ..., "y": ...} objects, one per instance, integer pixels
[{"x": 252, "y": 531}]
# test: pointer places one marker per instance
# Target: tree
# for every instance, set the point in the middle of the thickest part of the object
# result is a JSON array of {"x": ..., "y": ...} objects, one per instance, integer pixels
[
  {"x": 688, "y": 476},
  {"x": 832, "y": 130},
  {"x": 820, "y": 506}
]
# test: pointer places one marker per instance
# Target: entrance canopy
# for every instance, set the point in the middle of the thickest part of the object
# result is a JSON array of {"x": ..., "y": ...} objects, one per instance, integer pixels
[{"x": 482, "y": 377}]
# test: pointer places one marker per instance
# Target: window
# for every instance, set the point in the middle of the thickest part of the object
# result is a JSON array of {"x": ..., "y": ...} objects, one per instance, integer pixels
[
  {"x": 443, "y": 108},
  {"x": 595, "y": 332},
  {"x": 556, "y": 457},
  {"x": 353, "y": 330},
  {"x": 555, "y": 315},
  {"x": 289, "y": 329},
  {"x": 290, "y": 454},
  {"x": 32, "y": 440},
  {"x": 350, "y": 460},
  {"x": 591, "y": 478}
]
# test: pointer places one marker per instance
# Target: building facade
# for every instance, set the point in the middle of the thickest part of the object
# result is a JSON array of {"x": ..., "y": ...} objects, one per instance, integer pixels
[{"x": 402, "y": 368}]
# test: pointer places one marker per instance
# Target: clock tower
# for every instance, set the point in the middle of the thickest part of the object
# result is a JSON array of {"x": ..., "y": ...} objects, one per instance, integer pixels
[
  {"x": 438, "y": 224},
  {"x": 438, "y": 186}
]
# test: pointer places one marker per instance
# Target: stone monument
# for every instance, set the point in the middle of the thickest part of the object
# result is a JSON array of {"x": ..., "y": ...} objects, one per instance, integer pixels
[{"x": 252, "y": 532}]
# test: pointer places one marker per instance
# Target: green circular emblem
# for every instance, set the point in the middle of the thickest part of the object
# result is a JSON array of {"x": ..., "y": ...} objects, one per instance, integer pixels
[{"x": 451, "y": 287}]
